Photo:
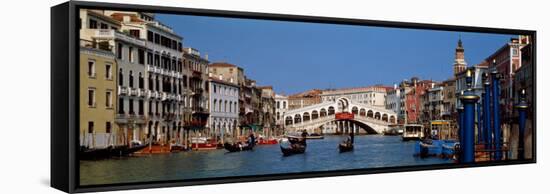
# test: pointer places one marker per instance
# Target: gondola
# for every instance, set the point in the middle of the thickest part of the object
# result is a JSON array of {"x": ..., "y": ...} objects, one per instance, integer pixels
[
  {"x": 235, "y": 147},
  {"x": 344, "y": 147},
  {"x": 94, "y": 153},
  {"x": 124, "y": 150},
  {"x": 296, "y": 149},
  {"x": 133, "y": 149},
  {"x": 177, "y": 147}
]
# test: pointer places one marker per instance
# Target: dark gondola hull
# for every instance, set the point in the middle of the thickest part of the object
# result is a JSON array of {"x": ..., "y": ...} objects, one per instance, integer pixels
[
  {"x": 345, "y": 147},
  {"x": 291, "y": 151},
  {"x": 108, "y": 152},
  {"x": 94, "y": 153},
  {"x": 235, "y": 148}
]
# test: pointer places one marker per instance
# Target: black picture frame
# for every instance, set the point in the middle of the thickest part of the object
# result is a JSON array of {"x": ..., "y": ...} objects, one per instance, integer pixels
[{"x": 65, "y": 83}]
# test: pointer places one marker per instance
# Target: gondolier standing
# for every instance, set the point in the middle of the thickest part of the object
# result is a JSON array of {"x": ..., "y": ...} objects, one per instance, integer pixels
[
  {"x": 304, "y": 136},
  {"x": 251, "y": 139}
]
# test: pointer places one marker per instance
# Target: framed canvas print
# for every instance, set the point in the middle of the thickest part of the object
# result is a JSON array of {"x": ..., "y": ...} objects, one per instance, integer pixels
[{"x": 148, "y": 96}]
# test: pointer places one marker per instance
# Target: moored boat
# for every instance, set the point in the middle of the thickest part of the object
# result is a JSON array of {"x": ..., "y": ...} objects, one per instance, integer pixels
[
  {"x": 307, "y": 137},
  {"x": 315, "y": 136},
  {"x": 393, "y": 130},
  {"x": 267, "y": 141},
  {"x": 127, "y": 150},
  {"x": 237, "y": 147},
  {"x": 94, "y": 153},
  {"x": 203, "y": 143},
  {"x": 176, "y": 147},
  {"x": 413, "y": 132}
]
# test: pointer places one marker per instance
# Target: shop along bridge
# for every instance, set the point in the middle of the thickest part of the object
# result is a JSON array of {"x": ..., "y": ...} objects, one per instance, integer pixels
[{"x": 340, "y": 116}]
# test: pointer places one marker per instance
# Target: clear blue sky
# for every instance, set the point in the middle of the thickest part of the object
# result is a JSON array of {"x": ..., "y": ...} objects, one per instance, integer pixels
[{"x": 296, "y": 56}]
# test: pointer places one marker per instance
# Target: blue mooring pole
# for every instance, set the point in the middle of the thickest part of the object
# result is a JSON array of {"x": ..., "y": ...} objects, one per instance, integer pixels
[
  {"x": 486, "y": 112},
  {"x": 496, "y": 115},
  {"x": 522, "y": 113},
  {"x": 479, "y": 130},
  {"x": 460, "y": 111},
  {"x": 469, "y": 100}
]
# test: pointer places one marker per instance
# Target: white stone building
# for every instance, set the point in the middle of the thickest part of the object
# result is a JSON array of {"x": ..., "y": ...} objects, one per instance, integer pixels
[
  {"x": 373, "y": 95},
  {"x": 281, "y": 106},
  {"x": 224, "y": 110},
  {"x": 393, "y": 99}
]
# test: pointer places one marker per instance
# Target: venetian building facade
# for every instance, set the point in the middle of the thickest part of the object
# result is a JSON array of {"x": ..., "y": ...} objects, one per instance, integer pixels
[
  {"x": 449, "y": 99},
  {"x": 224, "y": 109},
  {"x": 281, "y": 106},
  {"x": 404, "y": 88},
  {"x": 198, "y": 100},
  {"x": 98, "y": 85},
  {"x": 159, "y": 77},
  {"x": 268, "y": 111},
  {"x": 373, "y": 95},
  {"x": 432, "y": 102},
  {"x": 413, "y": 100},
  {"x": 250, "y": 114},
  {"x": 507, "y": 60},
  {"x": 229, "y": 72},
  {"x": 304, "y": 99},
  {"x": 477, "y": 72},
  {"x": 97, "y": 96},
  {"x": 393, "y": 101}
]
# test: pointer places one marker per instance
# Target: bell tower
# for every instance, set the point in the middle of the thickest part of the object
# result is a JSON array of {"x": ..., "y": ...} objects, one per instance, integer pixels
[{"x": 460, "y": 63}]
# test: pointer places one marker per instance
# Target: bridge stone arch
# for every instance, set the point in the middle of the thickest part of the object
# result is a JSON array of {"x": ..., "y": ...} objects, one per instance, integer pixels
[
  {"x": 305, "y": 117},
  {"x": 367, "y": 116},
  {"x": 323, "y": 112},
  {"x": 355, "y": 110},
  {"x": 297, "y": 118},
  {"x": 314, "y": 114},
  {"x": 331, "y": 110},
  {"x": 289, "y": 120}
]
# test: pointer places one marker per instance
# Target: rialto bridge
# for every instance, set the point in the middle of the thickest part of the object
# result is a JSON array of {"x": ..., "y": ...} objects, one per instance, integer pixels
[{"x": 339, "y": 116}]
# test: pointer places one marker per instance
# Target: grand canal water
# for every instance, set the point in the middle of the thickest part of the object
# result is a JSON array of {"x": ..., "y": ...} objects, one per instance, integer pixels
[{"x": 321, "y": 155}]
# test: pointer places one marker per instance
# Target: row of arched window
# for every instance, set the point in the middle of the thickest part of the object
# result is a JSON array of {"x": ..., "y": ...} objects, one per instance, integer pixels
[
  {"x": 225, "y": 90},
  {"x": 140, "y": 81},
  {"x": 224, "y": 106}
]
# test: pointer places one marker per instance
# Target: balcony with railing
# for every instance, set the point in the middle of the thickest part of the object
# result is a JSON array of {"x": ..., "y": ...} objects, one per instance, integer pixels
[
  {"x": 196, "y": 74},
  {"x": 151, "y": 68},
  {"x": 197, "y": 91},
  {"x": 199, "y": 110},
  {"x": 100, "y": 45},
  {"x": 122, "y": 91},
  {"x": 133, "y": 91},
  {"x": 163, "y": 96},
  {"x": 169, "y": 116},
  {"x": 102, "y": 34},
  {"x": 141, "y": 92}
]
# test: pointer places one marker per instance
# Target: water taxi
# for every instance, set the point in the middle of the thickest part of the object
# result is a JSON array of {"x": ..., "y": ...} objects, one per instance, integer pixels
[{"x": 413, "y": 132}]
